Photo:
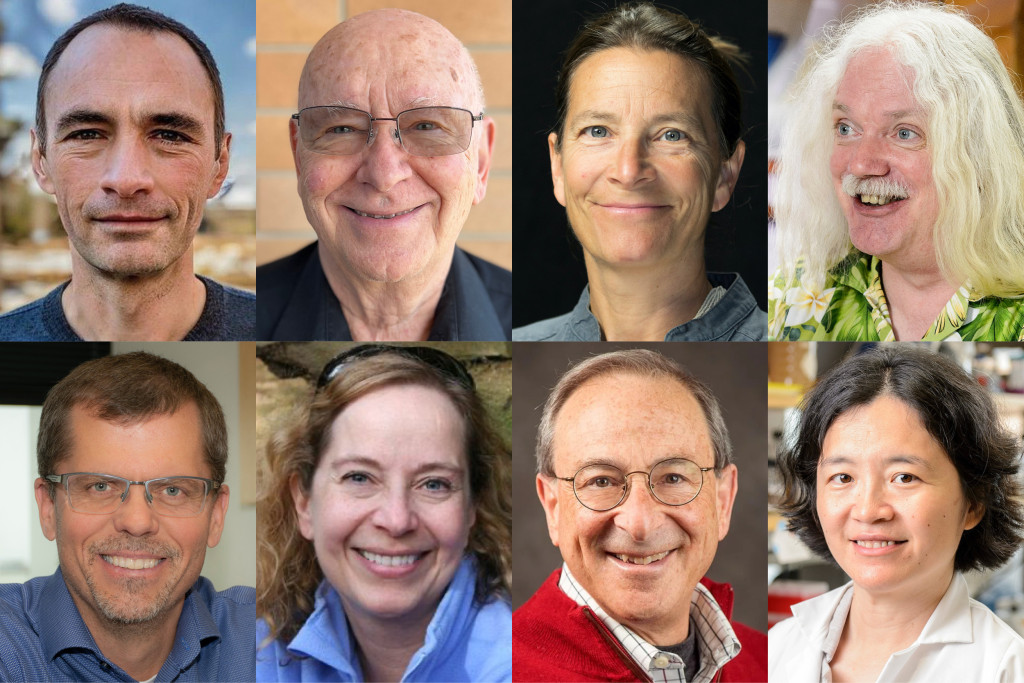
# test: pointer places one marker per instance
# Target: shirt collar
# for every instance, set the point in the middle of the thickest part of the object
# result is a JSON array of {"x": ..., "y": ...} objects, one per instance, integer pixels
[{"x": 716, "y": 640}]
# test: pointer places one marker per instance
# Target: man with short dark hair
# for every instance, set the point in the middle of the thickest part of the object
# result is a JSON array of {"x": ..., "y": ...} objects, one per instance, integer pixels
[
  {"x": 636, "y": 478},
  {"x": 132, "y": 451},
  {"x": 130, "y": 140}
]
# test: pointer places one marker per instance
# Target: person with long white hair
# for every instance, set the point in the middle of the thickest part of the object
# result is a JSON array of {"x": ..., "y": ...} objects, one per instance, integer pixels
[{"x": 900, "y": 197}]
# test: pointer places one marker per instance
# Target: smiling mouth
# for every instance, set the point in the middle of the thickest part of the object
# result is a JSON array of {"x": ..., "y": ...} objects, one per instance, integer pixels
[
  {"x": 382, "y": 216},
  {"x": 877, "y": 544},
  {"x": 131, "y": 562},
  {"x": 878, "y": 199},
  {"x": 633, "y": 559},
  {"x": 390, "y": 560}
]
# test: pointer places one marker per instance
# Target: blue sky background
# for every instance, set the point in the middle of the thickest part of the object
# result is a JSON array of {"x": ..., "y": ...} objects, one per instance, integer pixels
[{"x": 228, "y": 27}]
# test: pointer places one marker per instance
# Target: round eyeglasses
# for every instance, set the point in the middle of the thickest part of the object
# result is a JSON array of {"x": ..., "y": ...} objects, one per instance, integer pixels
[
  {"x": 423, "y": 132},
  {"x": 675, "y": 481},
  {"x": 102, "y": 494}
]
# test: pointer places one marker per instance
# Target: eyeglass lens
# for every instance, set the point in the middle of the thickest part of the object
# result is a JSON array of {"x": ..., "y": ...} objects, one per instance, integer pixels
[
  {"x": 602, "y": 487},
  {"x": 99, "y": 494},
  {"x": 426, "y": 132}
]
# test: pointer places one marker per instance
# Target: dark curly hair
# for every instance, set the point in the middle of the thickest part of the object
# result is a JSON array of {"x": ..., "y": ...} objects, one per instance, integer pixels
[{"x": 956, "y": 411}]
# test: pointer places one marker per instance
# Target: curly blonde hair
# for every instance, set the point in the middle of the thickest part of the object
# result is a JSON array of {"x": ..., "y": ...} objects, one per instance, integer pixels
[{"x": 288, "y": 572}]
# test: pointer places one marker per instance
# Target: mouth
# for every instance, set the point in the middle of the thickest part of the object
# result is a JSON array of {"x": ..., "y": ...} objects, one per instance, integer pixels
[
  {"x": 381, "y": 216},
  {"x": 131, "y": 562},
  {"x": 877, "y": 199},
  {"x": 390, "y": 560},
  {"x": 641, "y": 559},
  {"x": 874, "y": 545}
]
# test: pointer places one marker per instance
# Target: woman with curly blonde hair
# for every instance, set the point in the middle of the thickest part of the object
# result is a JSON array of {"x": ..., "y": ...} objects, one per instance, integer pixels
[{"x": 384, "y": 528}]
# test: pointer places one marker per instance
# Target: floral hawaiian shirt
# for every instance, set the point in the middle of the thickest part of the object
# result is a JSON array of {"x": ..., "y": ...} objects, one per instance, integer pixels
[{"x": 852, "y": 307}]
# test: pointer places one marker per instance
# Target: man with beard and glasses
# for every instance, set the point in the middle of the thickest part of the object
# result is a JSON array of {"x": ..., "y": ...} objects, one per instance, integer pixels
[
  {"x": 129, "y": 137},
  {"x": 636, "y": 478},
  {"x": 899, "y": 198},
  {"x": 132, "y": 451}
]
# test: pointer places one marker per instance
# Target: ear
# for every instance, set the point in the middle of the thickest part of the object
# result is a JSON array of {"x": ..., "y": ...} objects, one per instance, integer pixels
[
  {"x": 485, "y": 152},
  {"x": 301, "y": 501},
  {"x": 725, "y": 491},
  {"x": 223, "y": 159},
  {"x": 40, "y": 166},
  {"x": 556, "y": 168},
  {"x": 220, "y": 511},
  {"x": 547, "y": 491},
  {"x": 293, "y": 138},
  {"x": 728, "y": 176},
  {"x": 47, "y": 509},
  {"x": 975, "y": 513}
]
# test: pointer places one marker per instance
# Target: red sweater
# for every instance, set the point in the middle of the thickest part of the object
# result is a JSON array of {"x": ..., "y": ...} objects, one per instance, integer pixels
[{"x": 555, "y": 639}]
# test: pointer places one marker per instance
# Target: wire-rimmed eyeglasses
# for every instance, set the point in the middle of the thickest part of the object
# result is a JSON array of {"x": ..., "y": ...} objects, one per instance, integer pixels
[
  {"x": 439, "y": 360},
  {"x": 422, "y": 132},
  {"x": 93, "y": 493},
  {"x": 601, "y": 487}
]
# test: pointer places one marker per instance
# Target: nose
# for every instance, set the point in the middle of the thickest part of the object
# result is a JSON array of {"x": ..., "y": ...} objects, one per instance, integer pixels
[
  {"x": 128, "y": 167},
  {"x": 869, "y": 157},
  {"x": 636, "y": 514},
  {"x": 395, "y": 513},
  {"x": 871, "y": 503},
  {"x": 135, "y": 516},
  {"x": 385, "y": 163},
  {"x": 632, "y": 163}
]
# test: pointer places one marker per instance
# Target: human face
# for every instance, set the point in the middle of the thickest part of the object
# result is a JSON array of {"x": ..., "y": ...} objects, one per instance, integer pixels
[
  {"x": 130, "y": 152},
  {"x": 880, "y": 141},
  {"x": 639, "y": 170},
  {"x": 634, "y": 422},
  {"x": 389, "y": 509},
  {"x": 890, "y": 501},
  {"x": 383, "y": 215},
  {"x": 89, "y": 545}
]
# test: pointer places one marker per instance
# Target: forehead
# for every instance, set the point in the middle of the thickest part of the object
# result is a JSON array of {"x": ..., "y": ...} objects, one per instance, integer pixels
[
  {"x": 887, "y": 426},
  {"x": 632, "y": 420},
  {"x": 410, "y": 61},
  {"x": 649, "y": 81},
  {"x": 106, "y": 68},
  {"x": 876, "y": 83}
]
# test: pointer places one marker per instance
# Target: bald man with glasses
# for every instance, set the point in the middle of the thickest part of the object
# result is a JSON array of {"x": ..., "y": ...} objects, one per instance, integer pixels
[{"x": 392, "y": 149}]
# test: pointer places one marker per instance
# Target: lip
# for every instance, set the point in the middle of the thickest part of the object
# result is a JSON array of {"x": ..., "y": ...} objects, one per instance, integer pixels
[
  {"x": 397, "y": 217},
  {"x": 651, "y": 566},
  {"x": 627, "y": 209},
  {"x": 390, "y": 571},
  {"x": 131, "y": 559},
  {"x": 872, "y": 545},
  {"x": 875, "y": 210}
]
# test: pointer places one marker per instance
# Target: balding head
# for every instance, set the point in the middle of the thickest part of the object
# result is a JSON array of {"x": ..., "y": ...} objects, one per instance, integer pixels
[{"x": 385, "y": 45}]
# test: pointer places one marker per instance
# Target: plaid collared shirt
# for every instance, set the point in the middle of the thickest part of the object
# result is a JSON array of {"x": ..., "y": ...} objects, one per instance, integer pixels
[{"x": 716, "y": 641}]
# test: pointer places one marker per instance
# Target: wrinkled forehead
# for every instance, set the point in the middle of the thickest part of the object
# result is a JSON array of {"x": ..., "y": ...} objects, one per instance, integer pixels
[{"x": 406, "y": 57}]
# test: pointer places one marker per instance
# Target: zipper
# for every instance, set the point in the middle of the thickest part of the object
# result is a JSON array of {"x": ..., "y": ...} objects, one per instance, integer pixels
[{"x": 617, "y": 646}]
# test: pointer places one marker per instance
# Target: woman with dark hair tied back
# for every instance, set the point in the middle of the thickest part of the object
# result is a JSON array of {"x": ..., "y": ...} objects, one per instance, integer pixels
[
  {"x": 901, "y": 473},
  {"x": 385, "y": 528}
]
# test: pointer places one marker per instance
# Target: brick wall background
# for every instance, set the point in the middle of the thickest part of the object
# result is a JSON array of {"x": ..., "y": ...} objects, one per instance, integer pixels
[{"x": 285, "y": 32}]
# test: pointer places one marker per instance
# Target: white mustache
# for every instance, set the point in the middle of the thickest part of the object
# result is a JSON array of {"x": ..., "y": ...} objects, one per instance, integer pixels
[{"x": 881, "y": 187}]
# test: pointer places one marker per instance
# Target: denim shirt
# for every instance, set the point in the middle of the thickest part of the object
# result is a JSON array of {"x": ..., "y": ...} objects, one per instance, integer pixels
[
  {"x": 43, "y": 637},
  {"x": 735, "y": 317},
  {"x": 465, "y": 641}
]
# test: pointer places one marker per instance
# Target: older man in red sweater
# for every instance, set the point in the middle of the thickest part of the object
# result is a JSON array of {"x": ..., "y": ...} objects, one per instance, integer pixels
[{"x": 637, "y": 484}]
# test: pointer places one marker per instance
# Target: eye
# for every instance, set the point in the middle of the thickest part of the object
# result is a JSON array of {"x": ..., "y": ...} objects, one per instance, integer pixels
[
  {"x": 356, "y": 478},
  {"x": 844, "y": 129},
  {"x": 841, "y": 478},
  {"x": 437, "y": 484},
  {"x": 904, "y": 478},
  {"x": 169, "y": 136},
  {"x": 84, "y": 135},
  {"x": 172, "y": 492},
  {"x": 596, "y": 131},
  {"x": 101, "y": 487},
  {"x": 339, "y": 130},
  {"x": 673, "y": 135},
  {"x": 906, "y": 134}
]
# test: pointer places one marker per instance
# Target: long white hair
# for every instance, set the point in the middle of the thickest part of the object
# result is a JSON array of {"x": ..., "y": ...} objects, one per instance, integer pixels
[{"x": 975, "y": 133}]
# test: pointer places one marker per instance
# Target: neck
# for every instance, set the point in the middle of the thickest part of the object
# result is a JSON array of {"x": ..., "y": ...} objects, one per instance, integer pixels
[
  {"x": 916, "y": 297},
  {"x": 386, "y": 646},
  {"x": 891, "y": 622},
  {"x": 159, "y": 307},
  {"x": 673, "y": 632},
  {"x": 387, "y": 311},
  {"x": 139, "y": 649},
  {"x": 644, "y": 304}
]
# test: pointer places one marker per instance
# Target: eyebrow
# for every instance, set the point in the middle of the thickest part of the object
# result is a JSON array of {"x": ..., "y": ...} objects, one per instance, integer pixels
[
  {"x": 179, "y": 121},
  {"x": 898, "y": 114},
  {"x": 902, "y": 459},
  {"x": 604, "y": 116},
  {"x": 364, "y": 461}
]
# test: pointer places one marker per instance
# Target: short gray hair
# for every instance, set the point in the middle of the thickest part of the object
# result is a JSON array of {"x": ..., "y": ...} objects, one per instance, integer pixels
[{"x": 641, "y": 362}]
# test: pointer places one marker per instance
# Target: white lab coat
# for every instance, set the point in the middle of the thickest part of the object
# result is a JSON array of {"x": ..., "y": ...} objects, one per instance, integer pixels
[{"x": 962, "y": 641}]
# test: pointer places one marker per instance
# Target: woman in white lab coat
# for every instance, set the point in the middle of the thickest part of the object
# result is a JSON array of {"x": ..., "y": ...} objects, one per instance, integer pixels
[{"x": 901, "y": 473}]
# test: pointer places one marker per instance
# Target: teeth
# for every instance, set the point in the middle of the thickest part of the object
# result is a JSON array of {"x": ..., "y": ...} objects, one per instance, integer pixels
[
  {"x": 376, "y": 215},
  {"x": 880, "y": 200},
  {"x": 130, "y": 562},
  {"x": 642, "y": 560},
  {"x": 389, "y": 560},
  {"x": 875, "y": 544}
]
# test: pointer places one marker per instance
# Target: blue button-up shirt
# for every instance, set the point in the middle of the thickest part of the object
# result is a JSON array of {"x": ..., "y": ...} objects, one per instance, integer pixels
[{"x": 43, "y": 637}]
